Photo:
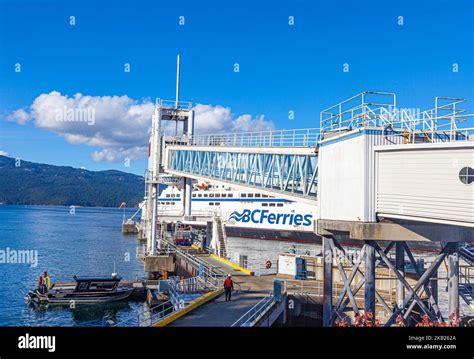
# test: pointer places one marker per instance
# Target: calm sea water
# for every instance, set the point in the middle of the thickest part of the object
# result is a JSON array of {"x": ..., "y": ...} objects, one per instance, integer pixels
[{"x": 87, "y": 242}]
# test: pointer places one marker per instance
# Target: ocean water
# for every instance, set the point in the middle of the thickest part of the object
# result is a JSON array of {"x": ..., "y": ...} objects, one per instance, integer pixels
[{"x": 86, "y": 242}]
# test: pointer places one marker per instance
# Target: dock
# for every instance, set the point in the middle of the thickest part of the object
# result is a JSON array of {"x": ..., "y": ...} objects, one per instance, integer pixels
[{"x": 386, "y": 204}]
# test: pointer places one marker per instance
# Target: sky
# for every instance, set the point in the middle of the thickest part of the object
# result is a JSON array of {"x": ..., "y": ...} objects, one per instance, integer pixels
[{"x": 300, "y": 56}]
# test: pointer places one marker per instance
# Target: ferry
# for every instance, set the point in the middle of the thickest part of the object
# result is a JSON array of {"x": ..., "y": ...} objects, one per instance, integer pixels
[
  {"x": 247, "y": 214},
  {"x": 254, "y": 215}
]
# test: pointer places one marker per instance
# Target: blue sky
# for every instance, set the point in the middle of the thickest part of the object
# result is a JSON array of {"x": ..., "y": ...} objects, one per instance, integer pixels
[{"x": 282, "y": 67}]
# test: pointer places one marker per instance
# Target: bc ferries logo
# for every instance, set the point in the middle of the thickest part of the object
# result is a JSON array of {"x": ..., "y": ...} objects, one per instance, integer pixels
[{"x": 264, "y": 216}]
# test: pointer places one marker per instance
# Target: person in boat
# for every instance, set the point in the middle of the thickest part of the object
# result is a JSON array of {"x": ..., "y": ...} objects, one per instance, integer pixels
[
  {"x": 228, "y": 287},
  {"x": 40, "y": 284},
  {"x": 46, "y": 282}
]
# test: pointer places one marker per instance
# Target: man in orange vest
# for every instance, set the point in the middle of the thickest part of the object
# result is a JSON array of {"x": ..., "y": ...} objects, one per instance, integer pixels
[{"x": 228, "y": 287}]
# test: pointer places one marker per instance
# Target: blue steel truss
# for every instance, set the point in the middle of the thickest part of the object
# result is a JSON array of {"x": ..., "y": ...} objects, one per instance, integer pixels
[{"x": 292, "y": 174}]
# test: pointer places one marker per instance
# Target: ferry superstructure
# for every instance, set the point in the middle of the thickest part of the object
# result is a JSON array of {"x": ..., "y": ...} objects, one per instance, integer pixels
[{"x": 247, "y": 214}]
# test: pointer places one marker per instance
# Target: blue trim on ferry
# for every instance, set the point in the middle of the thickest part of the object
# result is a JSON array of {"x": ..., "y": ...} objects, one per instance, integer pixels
[{"x": 219, "y": 199}]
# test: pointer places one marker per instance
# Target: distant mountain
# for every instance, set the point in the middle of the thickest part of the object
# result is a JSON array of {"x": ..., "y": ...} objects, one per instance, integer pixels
[{"x": 41, "y": 184}]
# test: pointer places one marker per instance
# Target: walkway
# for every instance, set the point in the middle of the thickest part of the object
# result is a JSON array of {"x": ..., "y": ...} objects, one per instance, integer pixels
[{"x": 219, "y": 313}]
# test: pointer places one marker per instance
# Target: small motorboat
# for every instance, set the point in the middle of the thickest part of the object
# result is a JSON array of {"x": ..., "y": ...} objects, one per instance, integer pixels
[{"x": 88, "y": 290}]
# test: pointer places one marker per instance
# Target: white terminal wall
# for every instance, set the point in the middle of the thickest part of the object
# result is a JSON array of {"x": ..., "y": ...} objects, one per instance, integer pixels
[
  {"x": 346, "y": 182},
  {"x": 422, "y": 180}
]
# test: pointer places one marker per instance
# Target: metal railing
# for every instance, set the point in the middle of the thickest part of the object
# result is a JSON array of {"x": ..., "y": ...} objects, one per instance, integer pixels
[
  {"x": 213, "y": 276},
  {"x": 171, "y": 104},
  {"x": 352, "y": 112},
  {"x": 466, "y": 275},
  {"x": 251, "y": 317},
  {"x": 308, "y": 137},
  {"x": 379, "y": 109},
  {"x": 146, "y": 317}
]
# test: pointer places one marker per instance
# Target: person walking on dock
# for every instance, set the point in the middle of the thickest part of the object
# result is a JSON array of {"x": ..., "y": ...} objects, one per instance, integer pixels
[{"x": 228, "y": 287}]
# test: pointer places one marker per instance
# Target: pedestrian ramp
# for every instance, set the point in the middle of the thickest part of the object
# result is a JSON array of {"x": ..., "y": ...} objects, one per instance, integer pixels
[{"x": 219, "y": 313}]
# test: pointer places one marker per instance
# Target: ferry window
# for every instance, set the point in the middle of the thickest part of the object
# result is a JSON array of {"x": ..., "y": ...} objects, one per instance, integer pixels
[
  {"x": 167, "y": 203},
  {"x": 172, "y": 203},
  {"x": 250, "y": 195},
  {"x": 211, "y": 194},
  {"x": 211, "y": 203},
  {"x": 279, "y": 204},
  {"x": 167, "y": 195},
  {"x": 178, "y": 195},
  {"x": 204, "y": 195},
  {"x": 264, "y": 196},
  {"x": 264, "y": 204},
  {"x": 194, "y": 195},
  {"x": 243, "y": 195},
  {"x": 466, "y": 175},
  {"x": 272, "y": 205},
  {"x": 172, "y": 196},
  {"x": 229, "y": 195},
  {"x": 223, "y": 195},
  {"x": 218, "y": 194},
  {"x": 199, "y": 195},
  {"x": 217, "y": 204},
  {"x": 257, "y": 195}
]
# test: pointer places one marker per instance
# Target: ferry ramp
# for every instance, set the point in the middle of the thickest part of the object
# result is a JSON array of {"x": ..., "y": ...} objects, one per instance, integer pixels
[
  {"x": 226, "y": 268},
  {"x": 248, "y": 292},
  {"x": 219, "y": 313}
]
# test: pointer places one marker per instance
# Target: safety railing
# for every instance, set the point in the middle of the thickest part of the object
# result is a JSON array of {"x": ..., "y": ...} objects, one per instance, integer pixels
[
  {"x": 141, "y": 251},
  {"x": 213, "y": 276},
  {"x": 144, "y": 318},
  {"x": 379, "y": 109},
  {"x": 251, "y": 317},
  {"x": 466, "y": 275},
  {"x": 308, "y": 137},
  {"x": 171, "y": 104},
  {"x": 352, "y": 112},
  {"x": 182, "y": 291}
]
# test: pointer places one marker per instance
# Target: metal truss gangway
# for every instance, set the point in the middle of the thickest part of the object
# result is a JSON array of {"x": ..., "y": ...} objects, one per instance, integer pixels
[{"x": 285, "y": 162}]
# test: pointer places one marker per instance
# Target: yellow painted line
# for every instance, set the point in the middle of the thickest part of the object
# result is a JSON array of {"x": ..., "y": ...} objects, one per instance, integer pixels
[
  {"x": 233, "y": 265},
  {"x": 195, "y": 246},
  {"x": 191, "y": 306}
]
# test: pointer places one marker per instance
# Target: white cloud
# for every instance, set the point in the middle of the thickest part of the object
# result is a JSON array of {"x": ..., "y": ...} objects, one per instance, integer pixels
[
  {"x": 20, "y": 116},
  {"x": 4, "y": 153},
  {"x": 119, "y": 126}
]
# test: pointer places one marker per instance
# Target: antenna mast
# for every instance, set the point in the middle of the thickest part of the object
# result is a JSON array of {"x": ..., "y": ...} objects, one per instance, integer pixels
[{"x": 177, "y": 92}]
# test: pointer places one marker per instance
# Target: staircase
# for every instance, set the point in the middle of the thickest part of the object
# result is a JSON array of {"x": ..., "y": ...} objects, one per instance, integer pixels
[
  {"x": 467, "y": 255},
  {"x": 467, "y": 294},
  {"x": 221, "y": 237}
]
